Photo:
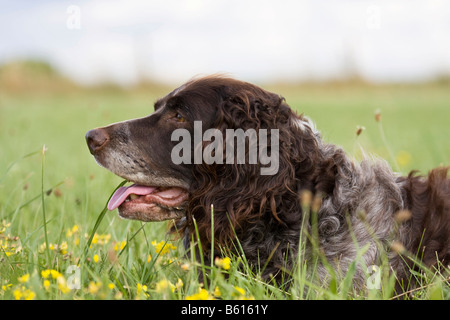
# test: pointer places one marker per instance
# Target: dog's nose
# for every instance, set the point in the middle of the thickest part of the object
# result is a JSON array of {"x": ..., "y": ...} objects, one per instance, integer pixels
[{"x": 96, "y": 139}]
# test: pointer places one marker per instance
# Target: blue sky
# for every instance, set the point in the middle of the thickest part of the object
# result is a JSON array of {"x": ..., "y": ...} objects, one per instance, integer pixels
[{"x": 174, "y": 40}]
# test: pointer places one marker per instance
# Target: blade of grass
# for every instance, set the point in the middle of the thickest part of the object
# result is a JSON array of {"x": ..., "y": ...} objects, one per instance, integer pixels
[
  {"x": 201, "y": 254},
  {"x": 18, "y": 160},
  {"x": 47, "y": 247},
  {"x": 124, "y": 247},
  {"x": 385, "y": 142},
  {"x": 212, "y": 236},
  {"x": 99, "y": 220},
  {"x": 131, "y": 238},
  {"x": 32, "y": 200}
]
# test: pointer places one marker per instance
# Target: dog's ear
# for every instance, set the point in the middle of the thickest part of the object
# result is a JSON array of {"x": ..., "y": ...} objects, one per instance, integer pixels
[
  {"x": 232, "y": 182},
  {"x": 239, "y": 192}
]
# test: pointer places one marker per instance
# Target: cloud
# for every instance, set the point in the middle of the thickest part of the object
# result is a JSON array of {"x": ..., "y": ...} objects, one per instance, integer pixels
[{"x": 123, "y": 41}]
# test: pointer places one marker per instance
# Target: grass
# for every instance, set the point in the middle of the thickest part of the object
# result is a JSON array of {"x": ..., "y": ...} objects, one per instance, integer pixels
[{"x": 58, "y": 242}]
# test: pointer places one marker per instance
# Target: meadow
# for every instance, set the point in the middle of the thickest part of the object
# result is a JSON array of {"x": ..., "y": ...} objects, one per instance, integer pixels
[{"x": 52, "y": 193}]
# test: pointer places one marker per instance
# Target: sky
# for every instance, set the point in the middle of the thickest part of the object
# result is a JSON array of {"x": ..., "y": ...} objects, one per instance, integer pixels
[{"x": 172, "y": 41}]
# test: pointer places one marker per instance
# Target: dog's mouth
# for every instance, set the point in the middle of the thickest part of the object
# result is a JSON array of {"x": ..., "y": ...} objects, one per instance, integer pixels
[{"x": 149, "y": 203}]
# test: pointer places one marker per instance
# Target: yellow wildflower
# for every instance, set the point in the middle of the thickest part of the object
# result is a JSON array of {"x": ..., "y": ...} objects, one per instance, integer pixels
[
  {"x": 162, "y": 285},
  {"x": 111, "y": 286},
  {"x": 163, "y": 247},
  {"x": 24, "y": 278},
  {"x": 63, "y": 247},
  {"x": 46, "y": 284},
  {"x": 10, "y": 246},
  {"x": 201, "y": 295},
  {"x": 5, "y": 287},
  {"x": 94, "y": 287},
  {"x": 141, "y": 289},
  {"x": 23, "y": 293},
  {"x": 217, "y": 292},
  {"x": 17, "y": 294},
  {"x": 45, "y": 273},
  {"x": 4, "y": 225},
  {"x": 240, "y": 294},
  {"x": 96, "y": 258},
  {"x": 60, "y": 248},
  {"x": 71, "y": 232},
  {"x": 239, "y": 290},
  {"x": 120, "y": 245},
  {"x": 62, "y": 284},
  {"x": 60, "y": 280},
  {"x": 224, "y": 263},
  {"x": 55, "y": 274},
  {"x": 100, "y": 239}
]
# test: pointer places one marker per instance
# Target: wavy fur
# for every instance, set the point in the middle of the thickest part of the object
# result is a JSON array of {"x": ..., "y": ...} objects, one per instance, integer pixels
[
  {"x": 359, "y": 201},
  {"x": 352, "y": 205}
]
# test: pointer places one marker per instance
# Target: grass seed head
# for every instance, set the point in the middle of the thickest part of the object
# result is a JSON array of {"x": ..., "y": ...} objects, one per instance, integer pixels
[
  {"x": 359, "y": 130},
  {"x": 398, "y": 247},
  {"x": 402, "y": 216},
  {"x": 378, "y": 115}
]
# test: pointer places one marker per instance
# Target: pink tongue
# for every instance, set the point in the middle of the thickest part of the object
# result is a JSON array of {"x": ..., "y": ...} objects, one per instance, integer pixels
[{"x": 123, "y": 192}]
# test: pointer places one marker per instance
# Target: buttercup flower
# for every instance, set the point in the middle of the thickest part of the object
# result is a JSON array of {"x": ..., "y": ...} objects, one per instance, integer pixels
[
  {"x": 224, "y": 263},
  {"x": 163, "y": 247},
  {"x": 101, "y": 239},
  {"x": 201, "y": 295},
  {"x": 24, "y": 278},
  {"x": 46, "y": 284},
  {"x": 141, "y": 289},
  {"x": 162, "y": 285},
  {"x": 94, "y": 287},
  {"x": 120, "y": 245},
  {"x": 72, "y": 231},
  {"x": 22, "y": 293}
]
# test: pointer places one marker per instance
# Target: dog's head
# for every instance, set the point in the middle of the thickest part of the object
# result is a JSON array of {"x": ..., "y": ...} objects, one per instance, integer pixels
[{"x": 166, "y": 156}]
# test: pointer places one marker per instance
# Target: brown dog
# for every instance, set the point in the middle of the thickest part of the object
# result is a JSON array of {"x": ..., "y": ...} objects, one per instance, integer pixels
[{"x": 359, "y": 203}]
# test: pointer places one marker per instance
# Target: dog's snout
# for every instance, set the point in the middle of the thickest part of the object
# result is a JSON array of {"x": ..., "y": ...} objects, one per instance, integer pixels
[{"x": 96, "y": 139}]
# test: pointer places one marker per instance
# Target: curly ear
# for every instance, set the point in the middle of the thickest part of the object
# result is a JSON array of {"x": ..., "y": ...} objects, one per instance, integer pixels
[{"x": 238, "y": 191}]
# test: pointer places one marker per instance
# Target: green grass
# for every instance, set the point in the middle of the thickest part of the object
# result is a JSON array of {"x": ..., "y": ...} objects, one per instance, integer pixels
[{"x": 51, "y": 200}]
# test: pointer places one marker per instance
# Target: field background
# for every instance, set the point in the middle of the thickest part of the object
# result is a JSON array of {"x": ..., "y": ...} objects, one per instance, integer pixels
[{"x": 52, "y": 112}]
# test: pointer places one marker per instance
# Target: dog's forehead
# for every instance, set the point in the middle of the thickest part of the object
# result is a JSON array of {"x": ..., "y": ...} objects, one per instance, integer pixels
[
  {"x": 177, "y": 90},
  {"x": 161, "y": 102},
  {"x": 209, "y": 88}
]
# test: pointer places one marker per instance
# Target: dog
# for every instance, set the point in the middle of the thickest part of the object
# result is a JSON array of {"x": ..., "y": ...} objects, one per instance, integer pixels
[{"x": 351, "y": 205}]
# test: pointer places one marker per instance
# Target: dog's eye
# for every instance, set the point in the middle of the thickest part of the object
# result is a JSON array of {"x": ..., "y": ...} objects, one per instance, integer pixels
[{"x": 179, "y": 118}]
